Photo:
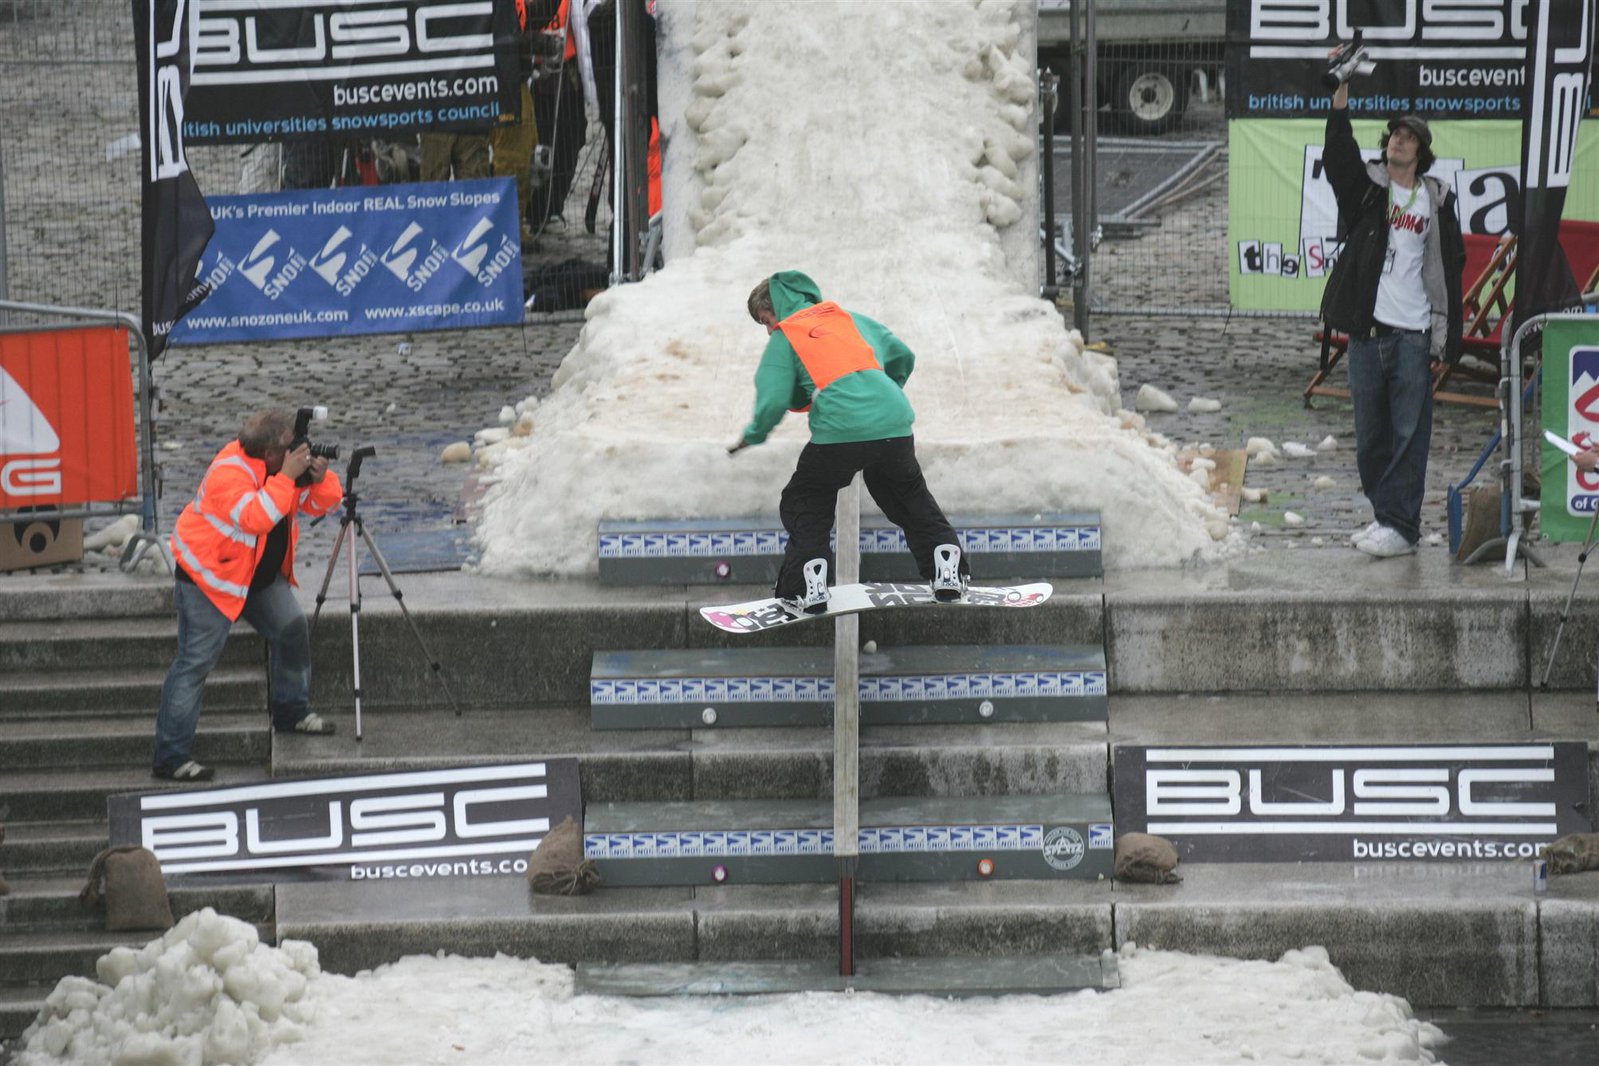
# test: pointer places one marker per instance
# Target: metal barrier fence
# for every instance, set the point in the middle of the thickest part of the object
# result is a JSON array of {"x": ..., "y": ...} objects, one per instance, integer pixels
[
  {"x": 1146, "y": 95},
  {"x": 69, "y": 159},
  {"x": 22, "y": 318}
]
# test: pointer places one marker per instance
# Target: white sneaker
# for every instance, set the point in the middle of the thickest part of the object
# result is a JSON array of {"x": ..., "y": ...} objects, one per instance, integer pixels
[
  {"x": 1386, "y": 543},
  {"x": 947, "y": 584},
  {"x": 1371, "y": 527}
]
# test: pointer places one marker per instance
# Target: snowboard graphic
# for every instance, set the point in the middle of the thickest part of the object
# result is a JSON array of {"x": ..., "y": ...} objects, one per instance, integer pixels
[{"x": 757, "y": 616}]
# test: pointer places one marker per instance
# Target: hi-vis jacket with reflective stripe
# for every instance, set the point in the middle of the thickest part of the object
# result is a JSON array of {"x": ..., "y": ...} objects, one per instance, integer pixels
[
  {"x": 222, "y": 533},
  {"x": 845, "y": 369}
]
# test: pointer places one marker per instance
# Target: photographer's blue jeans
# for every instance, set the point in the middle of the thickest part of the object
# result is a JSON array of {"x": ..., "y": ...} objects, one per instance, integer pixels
[
  {"x": 202, "y": 634},
  {"x": 1390, "y": 380}
]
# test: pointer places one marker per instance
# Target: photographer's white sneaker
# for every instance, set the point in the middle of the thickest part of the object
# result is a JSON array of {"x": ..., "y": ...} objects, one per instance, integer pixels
[
  {"x": 1386, "y": 543},
  {"x": 1371, "y": 527}
]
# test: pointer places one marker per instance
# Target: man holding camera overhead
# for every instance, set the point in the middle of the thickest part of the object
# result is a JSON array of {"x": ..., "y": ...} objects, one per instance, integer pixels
[
  {"x": 234, "y": 547},
  {"x": 1395, "y": 290}
]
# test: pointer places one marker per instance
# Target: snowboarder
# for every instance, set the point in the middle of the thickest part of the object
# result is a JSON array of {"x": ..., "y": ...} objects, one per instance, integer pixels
[{"x": 848, "y": 372}]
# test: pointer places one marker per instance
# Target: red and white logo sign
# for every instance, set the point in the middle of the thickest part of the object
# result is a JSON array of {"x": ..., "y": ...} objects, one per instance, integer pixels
[{"x": 66, "y": 418}]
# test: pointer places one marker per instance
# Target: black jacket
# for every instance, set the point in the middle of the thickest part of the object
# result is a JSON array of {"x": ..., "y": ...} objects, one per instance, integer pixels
[{"x": 1362, "y": 192}]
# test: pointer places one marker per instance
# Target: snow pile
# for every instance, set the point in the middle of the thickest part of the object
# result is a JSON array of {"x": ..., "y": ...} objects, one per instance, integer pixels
[
  {"x": 208, "y": 991},
  {"x": 891, "y": 175},
  {"x": 1171, "y": 1008}
]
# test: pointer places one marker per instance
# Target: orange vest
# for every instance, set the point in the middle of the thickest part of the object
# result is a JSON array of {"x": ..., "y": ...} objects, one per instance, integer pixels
[
  {"x": 827, "y": 343},
  {"x": 222, "y": 533},
  {"x": 559, "y": 23}
]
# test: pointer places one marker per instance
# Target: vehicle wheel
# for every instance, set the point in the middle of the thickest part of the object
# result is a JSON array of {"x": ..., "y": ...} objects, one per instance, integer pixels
[{"x": 1149, "y": 99}]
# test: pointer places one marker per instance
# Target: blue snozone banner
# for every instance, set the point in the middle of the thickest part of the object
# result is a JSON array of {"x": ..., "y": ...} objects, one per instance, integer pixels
[{"x": 367, "y": 259}]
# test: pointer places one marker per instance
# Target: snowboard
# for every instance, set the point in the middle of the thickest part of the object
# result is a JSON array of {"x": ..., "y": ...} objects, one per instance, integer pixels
[{"x": 758, "y": 616}]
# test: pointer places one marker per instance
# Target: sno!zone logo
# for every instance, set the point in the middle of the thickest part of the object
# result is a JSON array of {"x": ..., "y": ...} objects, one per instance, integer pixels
[
  {"x": 334, "y": 265},
  {"x": 27, "y": 434},
  {"x": 261, "y": 267},
  {"x": 407, "y": 260},
  {"x": 1582, "y": 426},
  {"x": 474, "y": 253}
]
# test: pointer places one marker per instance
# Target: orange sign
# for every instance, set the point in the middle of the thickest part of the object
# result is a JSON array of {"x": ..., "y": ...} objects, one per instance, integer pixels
[{"x": 66, "y": 418}]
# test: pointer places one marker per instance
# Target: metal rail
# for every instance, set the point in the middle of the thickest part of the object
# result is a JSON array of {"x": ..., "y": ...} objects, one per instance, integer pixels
[{"x": 846, "y": 724}]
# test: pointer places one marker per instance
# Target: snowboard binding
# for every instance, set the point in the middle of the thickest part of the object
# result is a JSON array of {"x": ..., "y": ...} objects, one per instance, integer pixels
[
  {"x": 948, "y": 585},
  {"x": 814, "y": 599}
]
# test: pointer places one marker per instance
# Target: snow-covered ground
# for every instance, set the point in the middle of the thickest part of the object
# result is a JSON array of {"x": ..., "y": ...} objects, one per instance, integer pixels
[
  {"x": 886, "y": 150},
  {"x": 209, "y": 992}
]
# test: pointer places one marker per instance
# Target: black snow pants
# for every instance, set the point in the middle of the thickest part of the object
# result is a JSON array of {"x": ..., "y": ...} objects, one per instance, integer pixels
[{"x": 893, "y": 477}]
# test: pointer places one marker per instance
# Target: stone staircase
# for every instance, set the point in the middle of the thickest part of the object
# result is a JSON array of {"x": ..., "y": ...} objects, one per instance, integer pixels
[{"x": 80, "y": 680}]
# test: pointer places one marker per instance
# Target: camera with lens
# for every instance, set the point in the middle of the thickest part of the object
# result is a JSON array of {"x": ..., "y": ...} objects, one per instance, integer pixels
[
  {"x": 1350, "y": 61},
  {"x": 302, "y": 427}
]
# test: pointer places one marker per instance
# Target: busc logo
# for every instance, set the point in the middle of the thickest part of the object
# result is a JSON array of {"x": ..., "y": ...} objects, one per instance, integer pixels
[
  {"x": 262, "y": 269},
  {"x": 26, "y": 434},
  {"x": 333, "y": 263},
  {"x": 474, "y": 250},
  {"x": 170, "y": 66},
  {"x": 409, "y": 263}
]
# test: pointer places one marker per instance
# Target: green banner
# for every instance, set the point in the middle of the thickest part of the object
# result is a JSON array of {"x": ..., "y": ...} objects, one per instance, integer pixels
[
  {"x": 1282, "y": 217},
  {"x": 1568, "y": 498}
]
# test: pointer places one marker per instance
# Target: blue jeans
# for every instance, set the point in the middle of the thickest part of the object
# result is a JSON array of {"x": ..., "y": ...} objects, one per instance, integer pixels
[
  {"x": 1390, "y": 380},
  {"x": 202, "y": 634}
]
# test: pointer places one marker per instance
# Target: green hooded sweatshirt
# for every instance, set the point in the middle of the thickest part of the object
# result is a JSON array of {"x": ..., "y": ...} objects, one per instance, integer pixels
[{"x": 864, "y": 405}]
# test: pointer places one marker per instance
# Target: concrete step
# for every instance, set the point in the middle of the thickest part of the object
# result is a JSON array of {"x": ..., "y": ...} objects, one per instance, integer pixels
[
  {"x": 46, "y": 904},
  {"x": 945, "y": 838},
  {"x": 35, "y": 957},
  {"x": 1032, "y": 758},
  {"x": 716, "y": 551},
  {"x": 541, "y": 637},
  {"x": 742, "y": 687},
  {"x": 99, "y": 643},
  {"x": 86, "y": 741},
  {"x": 34, "y": 596},
  {"x": 20, "y": 1004},
  {"x": 135, "y": 692},
  {"x": 52, "y": 847},
  {"x": 80, "y": 795},
  {"x": 357, "y": 925},
  {"x": 1440, "y": 936}
]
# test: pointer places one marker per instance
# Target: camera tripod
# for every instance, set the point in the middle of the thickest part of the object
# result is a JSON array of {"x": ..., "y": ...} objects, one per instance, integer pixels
[{"x": 352, "y": 518}]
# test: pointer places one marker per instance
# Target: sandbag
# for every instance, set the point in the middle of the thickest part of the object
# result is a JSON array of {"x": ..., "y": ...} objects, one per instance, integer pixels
[
  {"x": 1146, "y": 859},
  {"x": 1573, "y": 853},
  {"x": 135, "y": 892},
  {"x": 558, "y": 868},
  {"x": 1481, "y": 520}
]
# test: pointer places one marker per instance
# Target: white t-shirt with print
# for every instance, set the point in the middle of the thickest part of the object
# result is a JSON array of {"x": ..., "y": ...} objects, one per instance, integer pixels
[{"x": 1401, "y": 296}]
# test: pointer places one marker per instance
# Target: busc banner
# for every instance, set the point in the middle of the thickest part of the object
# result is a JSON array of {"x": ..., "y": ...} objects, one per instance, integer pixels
[
  {"x": 1569, "y": 498},
  {"x": 66, "y": 418},
  {"x": 1461, "y": 65},
  {"x": 175, "y": 224},
  {"x": 415, "y": 825},
  {"x": 365, "y": 259},
  {"x": 265, "y": 70}
]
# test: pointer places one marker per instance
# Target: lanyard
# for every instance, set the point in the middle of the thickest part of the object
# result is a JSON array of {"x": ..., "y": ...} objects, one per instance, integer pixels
[{"x": 1414, "y": 189}]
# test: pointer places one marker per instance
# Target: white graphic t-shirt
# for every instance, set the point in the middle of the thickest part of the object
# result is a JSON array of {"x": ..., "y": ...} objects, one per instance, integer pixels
[{"x": 1401, "y": 297}]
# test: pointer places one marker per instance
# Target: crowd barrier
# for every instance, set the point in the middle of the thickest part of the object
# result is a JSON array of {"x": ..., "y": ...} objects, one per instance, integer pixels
[{"x": 77, "y": 430}]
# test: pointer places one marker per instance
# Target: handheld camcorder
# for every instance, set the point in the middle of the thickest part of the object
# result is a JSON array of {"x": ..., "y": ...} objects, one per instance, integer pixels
[{"x": 1350, "y": 61}]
